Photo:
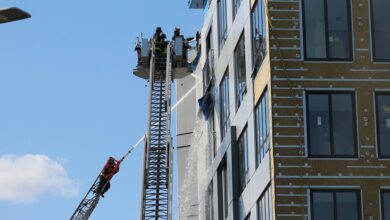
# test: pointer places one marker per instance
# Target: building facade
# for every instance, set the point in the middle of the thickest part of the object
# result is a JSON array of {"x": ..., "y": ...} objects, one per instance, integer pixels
[{"x": 291, "y": 114}]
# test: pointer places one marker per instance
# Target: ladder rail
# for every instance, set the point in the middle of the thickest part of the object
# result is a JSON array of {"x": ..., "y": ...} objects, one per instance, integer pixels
[
  {"x": 147, "y": 140},
  {"x": 89, "y": 202},
  {"x": 157, "y": 180},
  {"x": 91, "y": 199},
  {"x": 169, "y": 138}
]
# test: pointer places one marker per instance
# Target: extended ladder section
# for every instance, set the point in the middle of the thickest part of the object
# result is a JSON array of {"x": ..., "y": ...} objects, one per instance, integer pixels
[
  {"x": 88, "y": 204},
  {"x": 157, "y": 172},
  {"x": 91, "y": 199}
]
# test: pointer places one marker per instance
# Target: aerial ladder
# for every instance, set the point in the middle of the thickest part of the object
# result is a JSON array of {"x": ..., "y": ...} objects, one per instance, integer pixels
[
  {"x": 89, "y": 202},
  {"x": 91, "y": 199},
  {"x": 159, "y": 62}
]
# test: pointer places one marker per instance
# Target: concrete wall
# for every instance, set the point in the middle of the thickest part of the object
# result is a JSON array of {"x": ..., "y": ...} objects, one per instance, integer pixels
[{"x": 186, "y": 116}]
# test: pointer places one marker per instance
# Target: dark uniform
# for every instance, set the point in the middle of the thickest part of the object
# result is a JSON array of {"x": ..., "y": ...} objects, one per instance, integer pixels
[{"x": 159, "y": 41}]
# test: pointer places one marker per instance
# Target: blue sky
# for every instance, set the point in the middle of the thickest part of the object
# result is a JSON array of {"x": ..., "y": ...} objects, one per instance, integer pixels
[{"x": 69, "y": 100}]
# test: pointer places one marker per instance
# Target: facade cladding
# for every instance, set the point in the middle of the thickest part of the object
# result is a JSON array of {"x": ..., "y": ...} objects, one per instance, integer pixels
[{"x": 298, "y": 126}]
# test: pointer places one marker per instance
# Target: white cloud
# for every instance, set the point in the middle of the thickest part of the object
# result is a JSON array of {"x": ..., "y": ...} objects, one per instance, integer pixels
[{"x": 24, "y": 178}]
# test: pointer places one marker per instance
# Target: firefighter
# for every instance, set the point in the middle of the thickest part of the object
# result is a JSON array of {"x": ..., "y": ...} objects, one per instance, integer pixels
[
  {"x": 159, "y": 41},
  {"x": 109, "y": 170}
]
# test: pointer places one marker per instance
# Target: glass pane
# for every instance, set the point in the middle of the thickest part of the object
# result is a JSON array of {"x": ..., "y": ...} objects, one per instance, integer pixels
[
  {"x": 383, "y": 120},
  {"x": 386, "y": 206},
  {"x": 260, "y": 210},
  {"x": 227, "y": 99},
  {"x": 258, "y": 35},
  {"x": 315, "y": 29},
  {"x": 381, "y": 30},
  {"x": 258, "y": 121},
  {"x": 222, "y": 23},
  {"x": 338, "y": 29},
  {"x": 236, "y": 6},
  {"x": 347, "y": 206},
  {"x": 319, "y": 125},
  {"x": 269, "y": 204},
  {"x": 240, "y": 70},
  {"x": 266, "y": 207},
  {"x": 262, "y": 128},
  {"x": 224, "y": 104},
  {"x": 225, "y": 192},
  {"x": 242, "y": 162},
  {"x": 323, "y": 206},
  {"x": 263, "y": 209},
  {"x": 266, "y": 119},
  {"x": 343, "y": 124},
  {"x": 210, "y": 203},
  {"x": 243, "y": 156},
  {"x": 246, "y": 153}
]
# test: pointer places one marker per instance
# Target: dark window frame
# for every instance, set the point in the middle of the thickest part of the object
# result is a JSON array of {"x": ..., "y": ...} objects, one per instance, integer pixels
[
  {"x": 210, "y": 201},
  {"x": 236, "y": 4},
  {"x": 222, "y": 23},
  {"x": 267, "y": 141},
  {"x": 239, "y": 94},
  {"x": 258, "y": 55},
  {"x": 224, "y": 115},
  {"x": 211, "y": 135},
  {"x": 377, "y": 124},
  {"x": 350, "y": 34},
  {"x": 355, "y": 135},
  {"x": 223, "y": 209},
  {"x": 208, "y": 68},
  {"x": 373, "y": 34},
  {"x": 382, "y": 191},
  {"x": 334, "y": 192},
  {"x": 267, "y": 203},
  {"x": 245, "y": 175}
]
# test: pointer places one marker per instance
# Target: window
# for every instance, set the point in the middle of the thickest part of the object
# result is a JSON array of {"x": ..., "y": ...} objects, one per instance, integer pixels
[
  {"x": 222, "y": 23},
  {"x": 240, "y": 70},
  {"x": 224, "y": 104},
  {"x": 327, "y": 30},
  {"x": 223, "y": 192},
  {"x": 208, "y": 68},
  {"x": 380, "y": 22},
  {"x": 262, "y": 127},
  {"x": 264, "y": 205},
  {"x": 335, "y": 205},
  {"x": 248, "y": 217},
  {"x": 383, "y": 123},
  {"x": 331, "y": 124},
  {"x": 210, "y": 202},
  {"x": 236, "y": 6},
  {"x": 385, "y": 204},
  {"x": 211, "y": 138},
  {"x": 243, "y": 159},
  {"x": 258, "y": 25}
]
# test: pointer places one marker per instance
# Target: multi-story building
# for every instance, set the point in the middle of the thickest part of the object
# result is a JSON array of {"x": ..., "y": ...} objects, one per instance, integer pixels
[{"x": 292, "y": 120}]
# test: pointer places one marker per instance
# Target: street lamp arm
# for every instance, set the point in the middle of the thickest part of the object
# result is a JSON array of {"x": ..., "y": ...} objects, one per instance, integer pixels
[{"x": 12, "y": 14}]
